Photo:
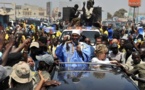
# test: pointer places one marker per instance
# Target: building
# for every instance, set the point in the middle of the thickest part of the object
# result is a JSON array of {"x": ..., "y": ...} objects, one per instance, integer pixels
[
  {"x": 4, "y": 18},
  {"x": 54, "y": 4},
  {"x": 25, "y": 11},
  {"x": 30, "y": 11}
]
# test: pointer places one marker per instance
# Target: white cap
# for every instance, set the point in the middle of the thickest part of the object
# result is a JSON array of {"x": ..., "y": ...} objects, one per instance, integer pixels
[
  {"x": 34, "y": 44},
  {"x": 76, "y": 32}
]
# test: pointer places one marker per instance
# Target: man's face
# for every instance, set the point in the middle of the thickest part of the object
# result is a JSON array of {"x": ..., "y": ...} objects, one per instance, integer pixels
[
  {"x": 65, "y": 38},
  {"x": 136, "y": 58},
  {"x": 30, "y": 62},
  {"x": 121, "y": 42},
  {"x": 34, "y": 51},
  {"x": 142, "y": 53},
  {"x": 87, "y": 40},
  {"x": 98, "y": 41},
  {"x": 109, "y": 26},
  {"x": 115, "y": 50},
  {"x": 75, "y": 37}
]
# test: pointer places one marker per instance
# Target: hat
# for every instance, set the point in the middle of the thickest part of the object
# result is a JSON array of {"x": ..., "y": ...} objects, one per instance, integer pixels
[
  {"x": 46, "y": 58},
  {"x": 34, "y": 44},
  {"x": 76, "y": 32},
  {"x": 21, "y": 73}
]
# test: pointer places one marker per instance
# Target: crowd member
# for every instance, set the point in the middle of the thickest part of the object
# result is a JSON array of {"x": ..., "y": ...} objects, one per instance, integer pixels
[
  {"x": 9, "y": 26},
  {"x": 21, "y": 77},
  {"x": 47, "y": 59},
  {"x": 74, "y": 16},
  {"x": 142, "y": 53},
  {"x": 34, "y": 50},
  {"x": 137, "y": 36},
  {"x": 116, "y": 34},
  {"x": 115, "y": 54},
  {"x": 98, "y": 40},
  {"x": 76, "y": 52},
  {"x": 122, "y": 44},
  {"x": 91, "y": 2},
  {"x": 54, "y": 46},
  {"x": 101, "y": 56},
  {"x": 58, "y": 32},
  {"x": 88, "y": 41},
  {"x": 46, "y": 65},
  {"x": 105, "y": 30},
  {"x": 110, "y": 32},
  {"x": 138, "y": 68},
  {"x": 127, "y": 56},
  {"x": 124, "y": 34},
  {"x": 31, "y": 63},
  {"x": 88, "y": 14}
]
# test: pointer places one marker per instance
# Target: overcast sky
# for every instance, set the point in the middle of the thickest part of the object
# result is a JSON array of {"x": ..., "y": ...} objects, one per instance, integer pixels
[{"x": 107, "y": 5}]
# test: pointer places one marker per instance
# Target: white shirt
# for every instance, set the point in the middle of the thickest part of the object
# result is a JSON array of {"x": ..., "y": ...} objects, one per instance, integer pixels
[
  {"x": 89, "y": 12},
  {"x": 97, "y": 61}
]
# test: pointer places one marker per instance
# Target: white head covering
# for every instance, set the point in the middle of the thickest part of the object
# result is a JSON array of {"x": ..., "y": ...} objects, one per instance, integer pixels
[{"x": 76, "y": 32}]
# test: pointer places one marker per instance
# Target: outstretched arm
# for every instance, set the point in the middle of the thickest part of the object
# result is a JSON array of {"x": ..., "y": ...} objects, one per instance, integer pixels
[
  {"x": 8, "y": 48},
  {"x": 138, "y": 79}
]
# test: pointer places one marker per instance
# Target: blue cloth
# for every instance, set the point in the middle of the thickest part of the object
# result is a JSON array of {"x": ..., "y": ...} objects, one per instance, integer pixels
[
  {"x": 72, "y": 55},
  {"x": 110, "y": 34},
  {"x": 92, "y": 52},
  {"x": 76, "y": 58},
  {"x": 70, "y": 75}
]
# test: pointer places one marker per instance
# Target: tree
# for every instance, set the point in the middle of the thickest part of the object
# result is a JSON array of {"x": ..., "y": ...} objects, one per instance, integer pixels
[
  {"x": 109, "y": 15},
  {"x": 120, "y": 13}
]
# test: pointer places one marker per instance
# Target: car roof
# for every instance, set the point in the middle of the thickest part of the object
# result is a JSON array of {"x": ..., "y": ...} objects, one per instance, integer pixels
[{"x": 93, "y": 80}]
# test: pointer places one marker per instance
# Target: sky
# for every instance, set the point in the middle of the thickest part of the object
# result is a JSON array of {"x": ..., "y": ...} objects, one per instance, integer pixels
[{"x": 107, "y": 5}]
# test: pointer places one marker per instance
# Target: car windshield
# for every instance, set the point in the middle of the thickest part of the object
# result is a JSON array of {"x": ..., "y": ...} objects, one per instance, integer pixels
[
  {"x": 87, "y": 34},
  {"x": 90, "y": 35}
]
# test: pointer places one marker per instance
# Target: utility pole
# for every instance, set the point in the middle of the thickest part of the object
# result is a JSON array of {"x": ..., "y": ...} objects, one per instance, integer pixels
[
  {"x": 134, "y": 4},
  {"x": 134, "y": 14}
]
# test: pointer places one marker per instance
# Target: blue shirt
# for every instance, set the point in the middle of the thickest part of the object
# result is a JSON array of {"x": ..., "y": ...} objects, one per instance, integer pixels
[{"x": 110, "y": 34}]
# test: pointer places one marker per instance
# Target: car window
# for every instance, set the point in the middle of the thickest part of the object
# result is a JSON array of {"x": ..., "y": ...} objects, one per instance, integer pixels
[{"x": 90, "y": 35}]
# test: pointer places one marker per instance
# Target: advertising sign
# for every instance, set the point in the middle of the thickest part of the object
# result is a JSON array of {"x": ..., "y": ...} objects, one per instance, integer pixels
[{"x": 134, "y": 3}]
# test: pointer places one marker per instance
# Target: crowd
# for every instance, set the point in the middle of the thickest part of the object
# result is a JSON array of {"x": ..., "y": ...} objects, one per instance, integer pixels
[
  {"x": 26, "y": 57},
  {"x": 29, "y": 55}
]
